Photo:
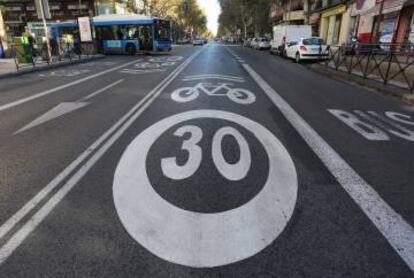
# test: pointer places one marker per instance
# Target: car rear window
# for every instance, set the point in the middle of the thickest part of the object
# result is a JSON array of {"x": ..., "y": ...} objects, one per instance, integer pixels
[{"x": 313, "y": 41}]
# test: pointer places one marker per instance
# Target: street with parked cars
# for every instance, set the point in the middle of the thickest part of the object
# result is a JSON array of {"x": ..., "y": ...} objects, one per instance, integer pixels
[{"x": 292, "y": 41}]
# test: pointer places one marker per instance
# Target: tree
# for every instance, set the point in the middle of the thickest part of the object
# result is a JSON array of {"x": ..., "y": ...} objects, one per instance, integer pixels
[
  {"x": 249, "y": 16},
  {"x": 186, "y": 15}
]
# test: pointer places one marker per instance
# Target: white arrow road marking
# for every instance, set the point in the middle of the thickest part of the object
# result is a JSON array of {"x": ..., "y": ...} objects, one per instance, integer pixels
[
  {"x": 73, "y": 83},
  {"x": 101, "y": 90},
  {"x": 64, "y": 108},
  {"x": 57, "y": 111}
]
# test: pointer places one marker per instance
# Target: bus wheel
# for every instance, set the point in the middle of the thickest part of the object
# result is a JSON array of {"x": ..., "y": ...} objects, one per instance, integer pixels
[{"x": 131, "y": 50}]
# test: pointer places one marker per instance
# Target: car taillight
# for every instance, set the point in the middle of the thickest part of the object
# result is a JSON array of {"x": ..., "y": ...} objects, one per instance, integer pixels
[{"x": 303, "y": 48}]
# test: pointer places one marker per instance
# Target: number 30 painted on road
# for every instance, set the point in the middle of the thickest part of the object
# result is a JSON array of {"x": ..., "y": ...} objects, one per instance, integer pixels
[
  {"x": 204, "y": 239},
  {"x": 233, "y": 172}
]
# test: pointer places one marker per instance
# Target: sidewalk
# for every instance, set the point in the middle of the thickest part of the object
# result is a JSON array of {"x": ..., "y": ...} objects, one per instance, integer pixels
[
  {"x": 394, "y": 88},
  {"x": 8, "y": 67}
]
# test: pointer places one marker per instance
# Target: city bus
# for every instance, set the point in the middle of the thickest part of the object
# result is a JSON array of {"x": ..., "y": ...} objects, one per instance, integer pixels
[{"x": 130, "y": 33}]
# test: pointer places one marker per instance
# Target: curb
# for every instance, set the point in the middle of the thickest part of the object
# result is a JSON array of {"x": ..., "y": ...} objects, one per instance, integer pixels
[
  {"x": 53, "y": 66},
  {"x": 371, "y": 85}
]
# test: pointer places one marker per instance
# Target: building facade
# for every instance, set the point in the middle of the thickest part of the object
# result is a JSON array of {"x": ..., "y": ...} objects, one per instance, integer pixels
[
  {"x": 340, "y": 21},
  {"x": 18, "y": 13},
  {"x": 334, "y": 20},
  {"x": 21, "y": 15},
  {"x": 289, "y": 12}
]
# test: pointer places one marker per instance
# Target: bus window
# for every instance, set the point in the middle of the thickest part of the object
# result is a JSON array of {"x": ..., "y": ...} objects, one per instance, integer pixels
[
  {"x": 132, "y": 32},
  {"x": 119, "y": 32},
  {"x": 162, "y": 30},
  {"x": 104, "y": 33}
]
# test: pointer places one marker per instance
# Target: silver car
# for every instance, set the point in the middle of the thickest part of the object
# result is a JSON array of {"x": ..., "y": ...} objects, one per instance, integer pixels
[
  {"x": 262, "y": 44},
  {"x": 198, "y": 41}
]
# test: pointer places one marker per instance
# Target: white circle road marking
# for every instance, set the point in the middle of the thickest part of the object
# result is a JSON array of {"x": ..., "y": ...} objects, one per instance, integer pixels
[{"x": 203, "y": 239}]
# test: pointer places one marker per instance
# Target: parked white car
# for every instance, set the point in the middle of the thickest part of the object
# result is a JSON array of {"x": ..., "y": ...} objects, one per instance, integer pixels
[
  {"x": 307, "y": 49},
  {"x": 262, "y": 43},
  {"x": 254, "y": 43}
]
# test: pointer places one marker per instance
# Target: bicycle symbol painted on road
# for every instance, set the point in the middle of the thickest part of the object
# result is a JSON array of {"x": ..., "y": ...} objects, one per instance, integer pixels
[
  {"x": 158, "y": 64},
  {"x": 237, "y": 95},
  {"x": 148, "y": 65}
]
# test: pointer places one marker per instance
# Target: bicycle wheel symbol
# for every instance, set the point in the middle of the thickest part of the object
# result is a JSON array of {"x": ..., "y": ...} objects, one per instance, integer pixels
[{"x": 237, "y": 95}]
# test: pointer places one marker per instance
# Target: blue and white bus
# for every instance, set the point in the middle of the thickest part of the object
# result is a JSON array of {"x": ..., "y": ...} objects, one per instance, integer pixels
[{"x": 123, "y": 33}]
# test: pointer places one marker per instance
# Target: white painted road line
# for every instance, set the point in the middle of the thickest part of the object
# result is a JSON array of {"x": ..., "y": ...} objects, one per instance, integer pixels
[
  {"x": 391, "y": 225},
  {"x": 56, "y": 89},
  {"x": 213, "y": 76},
  {"x": 119, "y": 128},
  {"x": 101, "y": 90}
]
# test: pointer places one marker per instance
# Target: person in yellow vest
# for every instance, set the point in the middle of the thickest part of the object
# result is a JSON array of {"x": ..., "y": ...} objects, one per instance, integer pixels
[{"x": 28, "y": 51}]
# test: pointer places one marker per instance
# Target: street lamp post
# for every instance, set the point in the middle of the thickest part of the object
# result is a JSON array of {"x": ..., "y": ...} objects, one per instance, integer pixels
[{"x": 42, "y": 13}]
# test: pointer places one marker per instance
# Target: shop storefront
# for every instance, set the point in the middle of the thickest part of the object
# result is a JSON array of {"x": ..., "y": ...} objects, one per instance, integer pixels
[
  {"x": 405, "y": 30},
  {"x": 370, "y": 18},
  {"x": 335, "y": 24},
  {"x": 387, "y": 27}
]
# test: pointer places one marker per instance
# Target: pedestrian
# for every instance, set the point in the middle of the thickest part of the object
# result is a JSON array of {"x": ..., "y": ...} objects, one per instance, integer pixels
[
  {"x": 2, "y": 54},
  {"x": 32, "y": 43}
]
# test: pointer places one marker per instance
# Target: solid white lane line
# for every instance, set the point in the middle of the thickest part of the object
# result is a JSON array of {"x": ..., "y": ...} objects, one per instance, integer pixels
[
  {"x": 56, "y": 89},
  {"x": 125, "y": 122},
  {"x": 101, "y": 90},
  {"x": 391, "y": 225}
]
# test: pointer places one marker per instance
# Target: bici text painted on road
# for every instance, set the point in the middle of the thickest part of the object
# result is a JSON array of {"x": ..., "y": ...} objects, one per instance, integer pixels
[
  {"x": 376, "y": 126},
  {"x": 193, "y": 238}
]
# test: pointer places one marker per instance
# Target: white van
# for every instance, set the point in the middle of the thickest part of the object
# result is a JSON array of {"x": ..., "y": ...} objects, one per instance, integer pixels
[{"x": 283, "y": 34}]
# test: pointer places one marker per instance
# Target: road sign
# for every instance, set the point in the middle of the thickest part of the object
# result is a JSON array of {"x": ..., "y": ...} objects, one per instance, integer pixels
[
  {"x": 198, "y": 239},
  {"x": 85, "y": 29}
]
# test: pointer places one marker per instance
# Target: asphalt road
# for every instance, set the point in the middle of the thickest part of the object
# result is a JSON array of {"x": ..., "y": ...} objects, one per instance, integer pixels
[{"x": 214, "y": 161}]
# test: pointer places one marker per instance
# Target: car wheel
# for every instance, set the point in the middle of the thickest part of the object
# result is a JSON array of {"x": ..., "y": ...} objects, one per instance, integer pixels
[{"x": 297, "y": 58}]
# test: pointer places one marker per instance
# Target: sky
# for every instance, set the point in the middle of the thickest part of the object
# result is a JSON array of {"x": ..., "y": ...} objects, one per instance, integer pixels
[{"x": 212, "y": 9}]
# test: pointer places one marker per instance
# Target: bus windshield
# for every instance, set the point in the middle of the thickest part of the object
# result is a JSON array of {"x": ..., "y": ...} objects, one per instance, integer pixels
[{"x": 162, "y": 30}]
